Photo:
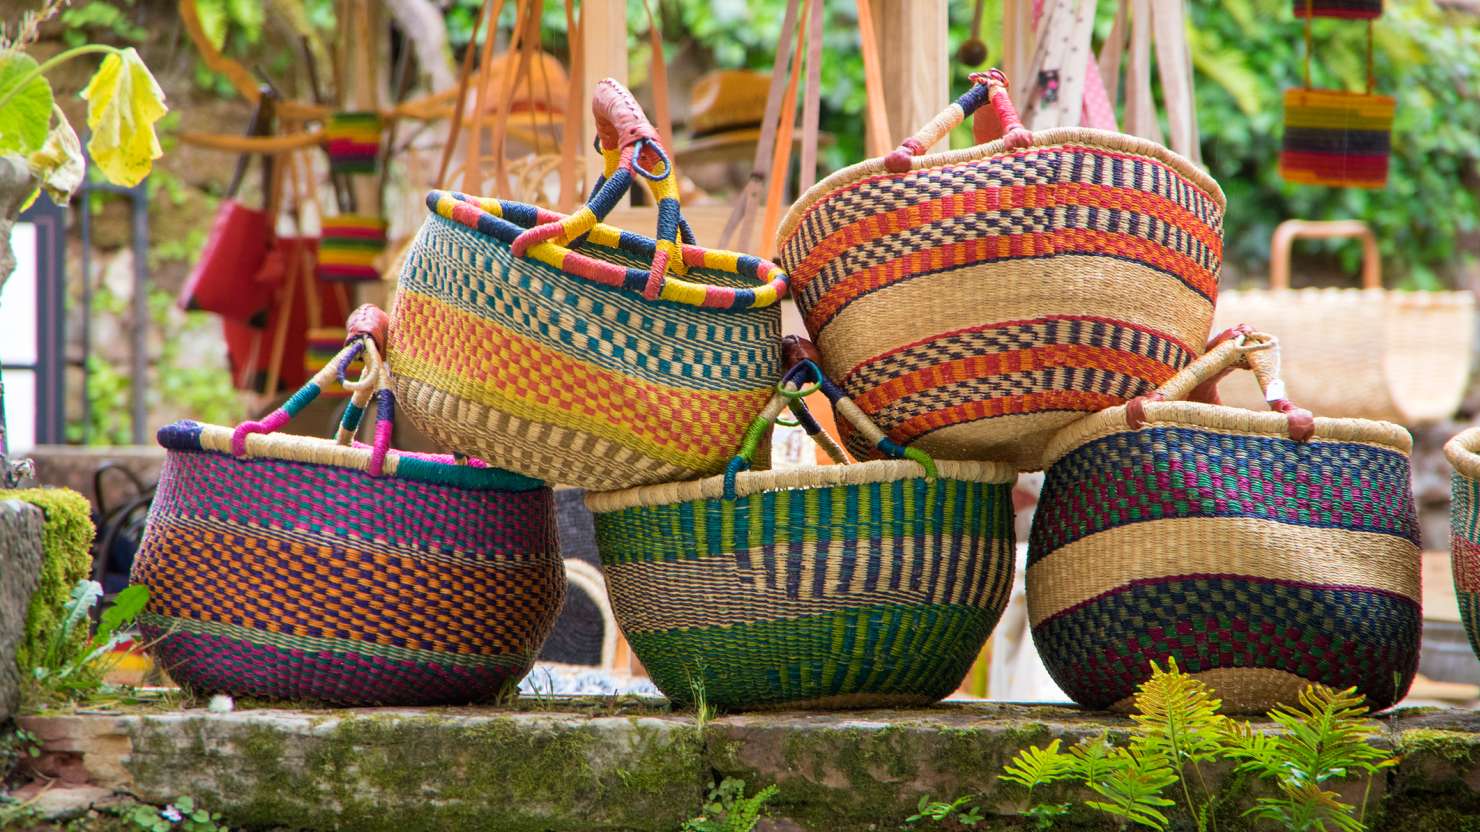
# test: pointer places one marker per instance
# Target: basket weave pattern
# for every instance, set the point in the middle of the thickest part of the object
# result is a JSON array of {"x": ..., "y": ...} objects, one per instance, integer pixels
[
  {"x": 284, "y": 579},
  {"x": 1046, "y": 283},
  {"x": 1464, "y": 529},
  {"x": 871, "y": 593},
  {"x": 565, "y": 379}
]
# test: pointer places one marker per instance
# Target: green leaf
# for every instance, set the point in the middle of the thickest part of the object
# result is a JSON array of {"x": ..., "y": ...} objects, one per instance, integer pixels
[
  {"x": 1037, "y": 766},
  {"x": 26, "y": 116},
  {"x": 58, "y": 165},
  {"x": 249, "y": 15},
  {"x": 215, "y": 17},
  {"x": 123, "y": 103},
  {"x": 124, "y": 609}
]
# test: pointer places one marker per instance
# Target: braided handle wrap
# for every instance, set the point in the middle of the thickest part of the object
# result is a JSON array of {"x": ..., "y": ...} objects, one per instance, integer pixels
[
  {"x": 1241, "y": 349},
  {"x": 369, "y": 320},
  {"x": 986, "y": 87}
]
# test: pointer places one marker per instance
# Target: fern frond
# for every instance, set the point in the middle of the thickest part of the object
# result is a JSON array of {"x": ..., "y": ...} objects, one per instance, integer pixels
[
  {"x": 1178, "y": 716},
  {"x": 1326, "y": 737},
  {"x": 1133, "y": 789},
  {"x": 1095, "y": 759},
  {"x": 1306, "y": 808},
  {"x": 1033, "y": 767}
]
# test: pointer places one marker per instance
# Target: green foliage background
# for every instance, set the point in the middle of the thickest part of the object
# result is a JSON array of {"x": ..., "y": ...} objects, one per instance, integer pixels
[{"x": 1246, "y": 53}]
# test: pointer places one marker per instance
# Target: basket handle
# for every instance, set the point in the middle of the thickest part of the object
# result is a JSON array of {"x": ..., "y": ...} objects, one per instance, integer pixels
[
  {"x": 1290, "y": 230},
  {"x": 366, "y": 327},
  {"x": 804, "y": 378},
  {"x": 990, "y": 86},
  {"x": 1238, "y": 348},
  {"x": 623, "y": 127}
]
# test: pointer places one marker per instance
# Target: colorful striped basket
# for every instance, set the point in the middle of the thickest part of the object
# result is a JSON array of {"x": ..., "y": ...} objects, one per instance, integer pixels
[
  {"x": 1345, "y": 9},
  {"x": 1335, "y": 138},
  {"x": 1263, "y": 551},
  {"x": 592, "y": 367},
  {"x": 349, "y": 247},
  {"x": 975, "y": 301},
  {"x": 864, "y": 585},
  {"x": 1464, "y": 529},
  {"x": 352, "y": 140},
  {"x": 289, "y": 567}
]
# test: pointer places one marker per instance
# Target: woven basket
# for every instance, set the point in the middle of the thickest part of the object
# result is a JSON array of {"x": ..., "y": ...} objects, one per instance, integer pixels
[
  {"x": 973, "y": 302},
  {"x": 590, "y": 367},
  {"x": 864, "y": 585},
  {"x": 1264, "y": 551},
  {"x": 294, "y": 568},
  {"x": 1411, "y": 363},
  {"x": 1464, "y": 529}
]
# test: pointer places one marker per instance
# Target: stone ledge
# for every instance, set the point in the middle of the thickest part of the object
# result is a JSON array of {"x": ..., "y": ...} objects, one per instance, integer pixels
[{"x": 604, "y": 766}]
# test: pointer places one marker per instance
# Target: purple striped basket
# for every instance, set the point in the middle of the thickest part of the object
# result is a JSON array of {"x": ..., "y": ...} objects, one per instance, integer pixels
[{"x": 289, "y": 567}]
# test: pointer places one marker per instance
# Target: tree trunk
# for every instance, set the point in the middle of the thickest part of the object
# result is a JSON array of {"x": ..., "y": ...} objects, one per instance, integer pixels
[{"x": 16, "y": 184}]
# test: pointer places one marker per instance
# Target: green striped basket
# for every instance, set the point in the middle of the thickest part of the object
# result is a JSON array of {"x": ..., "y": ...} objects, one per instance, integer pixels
[{"x": 850, "y": 585}]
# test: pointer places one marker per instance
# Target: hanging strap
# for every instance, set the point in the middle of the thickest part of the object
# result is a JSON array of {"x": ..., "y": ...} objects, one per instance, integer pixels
[
  {"x": 570, "y": 134},
  {"x": 781, "y": 155},
  {"x": 878, "y": 135},
  {"x": 658, "y": 76},
  {"x": 454, "y": 131},
  {"x": 811, "y": 104}
]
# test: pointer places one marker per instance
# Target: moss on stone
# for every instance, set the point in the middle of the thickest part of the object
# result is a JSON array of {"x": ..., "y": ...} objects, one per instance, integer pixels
[
  {"x": 1456, "y": 747},
  {"x": 66, "y": 544}
]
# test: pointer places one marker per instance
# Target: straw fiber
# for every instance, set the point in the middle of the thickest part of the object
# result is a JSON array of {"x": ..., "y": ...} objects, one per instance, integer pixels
[
  {"x": 1464, "y": 518},
  {"x": 980, "y": 300},
  {"x": 1260, "y": 562}
]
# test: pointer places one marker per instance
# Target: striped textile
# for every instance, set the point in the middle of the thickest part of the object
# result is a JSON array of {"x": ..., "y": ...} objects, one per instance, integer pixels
[
  {"x": 1464, "y": 531},
  {"x": 855, "y": 595},
  {"x": 298, "y": 581},
  {"x": 1345, "y": 9},
  {"x": 349, "y": 247},
  {"x": 557, "y": 366},
  {"x": 1340, "y": 139},
  {"x": 1263, "y": 562},
  {"x": 352, "y": 140},
  {"x": 975, "y": 304}
]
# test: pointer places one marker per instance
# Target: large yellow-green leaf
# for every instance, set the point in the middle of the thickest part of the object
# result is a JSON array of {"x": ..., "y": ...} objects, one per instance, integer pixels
[
  {"x": 214, "y": 19},
  {"x": 26, "y": 116},
  {"x": 123, "y": 103},
  {"x": 58, "y": 164}
]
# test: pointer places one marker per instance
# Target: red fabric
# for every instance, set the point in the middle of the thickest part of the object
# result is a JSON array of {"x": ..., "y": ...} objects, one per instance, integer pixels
[
  {"x": 223, "y": 278},
  {"x": 250, "y": 349}
]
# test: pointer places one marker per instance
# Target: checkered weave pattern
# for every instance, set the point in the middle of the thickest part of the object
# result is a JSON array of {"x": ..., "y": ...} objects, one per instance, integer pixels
[
  {"x": 1464, "y": 529},
  {"x": 292, "y": 580},
  {"x": 1259, "y": 561},
  {"x": 557, "y": 365},
  {"x": 977, "y": 302},
  {"x": 855, "y": 595}
]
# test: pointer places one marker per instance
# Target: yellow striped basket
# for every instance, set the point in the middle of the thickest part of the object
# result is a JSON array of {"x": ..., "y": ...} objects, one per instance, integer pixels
[{"x": 1264, "y": 551}]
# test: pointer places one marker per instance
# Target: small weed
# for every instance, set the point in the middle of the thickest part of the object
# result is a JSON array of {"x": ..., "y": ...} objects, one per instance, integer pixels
[
  {"x": 72, "y": 667},
  {"x": 934, "y": 814},
  {"x": 181, "y": 816},
  {"x": 703, "y": 711},
  {"x": 727, "y": 809}
]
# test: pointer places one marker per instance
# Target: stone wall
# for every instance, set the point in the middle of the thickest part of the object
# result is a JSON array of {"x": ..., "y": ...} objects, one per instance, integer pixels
[{"x": 20, "y": 564}]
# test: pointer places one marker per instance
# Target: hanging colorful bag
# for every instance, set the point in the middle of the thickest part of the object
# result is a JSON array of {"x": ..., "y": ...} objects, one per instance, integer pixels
[
  {"x": 1370, "y": 353},
  {"x": 593, "y": 366},
  {"x": 1262, "y": 551},
  {"x": 297, "y": 568},
  {"x": 1464, "y": 529},
  {"x": 866, "y": 585},
  {"x": 975, "y": 301}
]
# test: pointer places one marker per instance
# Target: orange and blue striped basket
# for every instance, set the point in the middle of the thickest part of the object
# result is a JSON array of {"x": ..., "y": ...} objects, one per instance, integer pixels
[
  {"x": 574, "y": 352},
  {"x": 297, "y": 568}
]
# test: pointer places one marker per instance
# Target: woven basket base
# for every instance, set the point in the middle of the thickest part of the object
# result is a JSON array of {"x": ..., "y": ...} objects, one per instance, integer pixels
[
  {"x": 1245, "y": 691},
  {"x": 853, "y": 701},
  {"x": 1018, "y": 440}
]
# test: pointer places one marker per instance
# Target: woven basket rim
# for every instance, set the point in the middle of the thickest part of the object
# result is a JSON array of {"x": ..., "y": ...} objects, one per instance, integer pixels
[
  {"x": 511, "y": 229},
  {"x": 436, "y": 469},
  {"x": 1223, "y": 419},
  {"x": 1463, "y": 452},
  {"x": 1042, "y": 140},
  {"x": 790, "y": 479}
]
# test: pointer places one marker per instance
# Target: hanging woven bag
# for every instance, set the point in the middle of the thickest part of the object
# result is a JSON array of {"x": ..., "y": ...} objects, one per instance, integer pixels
[
  {"x": 1464, "y": 529},
  {"x": 973, "y": 302},
  {"x": 865, "y": 585},
  {"x": 290, "y": 567},
  {"x": 1370, "y": 353},
  {"x": 591, "y": 366},
  {"x": 1264, "y": 551}
]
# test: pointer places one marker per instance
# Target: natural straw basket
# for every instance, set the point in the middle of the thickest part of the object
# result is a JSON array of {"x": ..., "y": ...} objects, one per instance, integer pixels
[
  {"x": 1263, "y": 551},
  {"x": 1369, "y": 353},
  {"x": 975, "y": 301},
  {"x": 1464, "y": 529},
  {"x": 591, "y": 366},
  {"x": 864, "y": 585},
  {"x": 296, "y": 568}
]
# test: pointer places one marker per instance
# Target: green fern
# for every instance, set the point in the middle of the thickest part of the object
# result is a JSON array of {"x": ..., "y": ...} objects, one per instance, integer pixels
[
  {"x": 1033, "y": 767},
  {"x": 1178, "y": 717},
  {"x": 1306, "y": 808},
  {"x": 729, "y": 810},
  {"x": 1133, "y": 786}
]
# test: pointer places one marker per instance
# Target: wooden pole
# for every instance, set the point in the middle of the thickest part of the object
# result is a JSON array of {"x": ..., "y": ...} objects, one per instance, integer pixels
[
  {"x": 914, "y": 35},
  {"x": 604, "y": 39}
]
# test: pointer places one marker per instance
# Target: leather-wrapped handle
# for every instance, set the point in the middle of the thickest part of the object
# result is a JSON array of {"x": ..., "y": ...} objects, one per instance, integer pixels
[
  {"x": 620, "y": 120},
  {"x": 795, "y": 349},
  {"x": 1289, "y": 231}
]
